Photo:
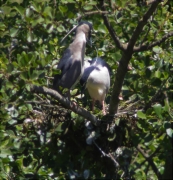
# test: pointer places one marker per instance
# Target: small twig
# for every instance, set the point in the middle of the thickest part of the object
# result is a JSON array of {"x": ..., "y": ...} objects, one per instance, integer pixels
[
  {"x": 104, "y": 154},
  {"x": 40, "y": 97},
  {"x": 107, "y": 155},
  {"x": 37, "y": 112},
  {"x": 42, "y": 103},
  {"x": 95, "y": 12},
  {"x": 48, "y": 77},
  {"x": 156, "y": 94},
  {"x": 146, "y": 47},
  {"x": 113, "y": 159}
]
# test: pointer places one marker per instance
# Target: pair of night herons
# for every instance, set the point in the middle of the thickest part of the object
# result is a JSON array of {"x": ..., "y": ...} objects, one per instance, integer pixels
[{"x": 94, "y": 75}]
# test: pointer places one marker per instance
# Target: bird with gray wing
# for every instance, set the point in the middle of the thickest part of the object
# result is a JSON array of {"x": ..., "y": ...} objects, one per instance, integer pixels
[
  {"x": 71, "y": 63},
  {"x": 96, "y": 78}
]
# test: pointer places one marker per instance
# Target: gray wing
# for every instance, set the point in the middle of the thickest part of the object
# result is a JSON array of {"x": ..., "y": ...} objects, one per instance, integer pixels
[
  {"x": 66, "y": 61},
  {"x": 70, "y": 70}
]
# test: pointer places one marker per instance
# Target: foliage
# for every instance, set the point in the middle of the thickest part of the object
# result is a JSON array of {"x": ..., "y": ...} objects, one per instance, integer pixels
[{"x": 41, "y": 139}]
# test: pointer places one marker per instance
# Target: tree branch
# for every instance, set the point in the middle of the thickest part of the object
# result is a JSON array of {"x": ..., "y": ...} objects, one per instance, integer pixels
[
  {"x": 141, "y": 24},
  {"x": 150, "y": 161},
  {"x": 124, "y": 61},
  {"x": 95, "y": 12},
  {"x": 66, "y": 103},
  {"x": 156, "y": 43},
  {"x": 111, "y": 30},
  {"x": 156, "y": 95}
]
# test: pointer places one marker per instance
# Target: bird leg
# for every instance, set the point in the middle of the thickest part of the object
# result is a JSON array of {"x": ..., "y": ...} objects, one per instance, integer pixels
[
  {"x": 73, "y": 103},
  {"x": 93, "y": 104},
  {"x": 103, "y": 108},
  {"x": 68, "y": 95}
]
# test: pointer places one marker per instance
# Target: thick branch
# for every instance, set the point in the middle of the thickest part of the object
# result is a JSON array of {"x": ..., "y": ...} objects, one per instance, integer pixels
[
  {"x": 156, "y": 43},
  {"x": 124, "y": 61},
  {"x": 111, "y": 30},
  {"x": 65, "y": 102}
]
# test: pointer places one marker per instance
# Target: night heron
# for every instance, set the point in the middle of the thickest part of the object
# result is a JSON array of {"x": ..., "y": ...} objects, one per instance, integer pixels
[
  {"x": 96, "y": 78},
  {"x": 71, "y": 63}
]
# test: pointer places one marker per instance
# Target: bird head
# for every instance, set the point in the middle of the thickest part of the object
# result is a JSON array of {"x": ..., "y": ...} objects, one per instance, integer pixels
[
  {"x": 87, "y": 28},
  {"x": 84, "y": 26}
]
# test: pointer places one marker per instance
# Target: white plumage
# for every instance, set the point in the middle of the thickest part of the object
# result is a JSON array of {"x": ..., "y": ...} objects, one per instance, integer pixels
[{"x": 96, "y": 79}]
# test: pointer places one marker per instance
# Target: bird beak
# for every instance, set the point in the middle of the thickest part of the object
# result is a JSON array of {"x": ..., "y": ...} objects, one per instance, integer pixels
[{"x": 67, "y": 34}]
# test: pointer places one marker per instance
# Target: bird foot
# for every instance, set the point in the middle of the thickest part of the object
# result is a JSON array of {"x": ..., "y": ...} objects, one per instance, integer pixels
[
  {"x": 104, "y": 112},
  {"x": 73, "y": 104}
]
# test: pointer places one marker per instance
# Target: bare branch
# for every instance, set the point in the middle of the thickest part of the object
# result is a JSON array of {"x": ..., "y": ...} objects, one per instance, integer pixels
[
  {"x": 107, "y": 155},
  {"x": 156, "y": 43},
  {"x": 66, "y": 103},
  {"x": 111, "y": 30},
  {"x": 96, "y": 12}
]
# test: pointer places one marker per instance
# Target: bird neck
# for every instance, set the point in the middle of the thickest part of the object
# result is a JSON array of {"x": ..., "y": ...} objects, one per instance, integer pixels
[{"x": 80, "y": 37}]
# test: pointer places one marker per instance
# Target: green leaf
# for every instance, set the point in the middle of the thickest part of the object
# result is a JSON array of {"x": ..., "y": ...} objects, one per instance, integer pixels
[
  {"x": 88, "y": 7},
  {"x": 92, "y": 3},
  {"x": 63, "y": 9},
  {"x": 5, "y": 153},
  {"x": 4, "y": 143},
  {"x": 169, "y": 132},
  {"x": 16, "y": 1},
  {"x": 37, "y": 21},
  {"x": 73, "y": 115},
  {"x": 12, "y": 122},
  {"x": 2, "y": 26},
  {"x": 112, "y": 137},
  {"x": 6, "y": 9},
  {"x": 158, "y": 109},
  {"x": 102, "y": 28},
  {"x": 13, "y": 32},
  {"x": 28, "y": 12},
  {"x": 24, "y": 75},
  {"x": 60, "y": 128},
  {"x": 50, "y": 29},
  {"x": 60, "y": 28},
  {"x": 157, "y": 74},
  {"x": 48, "y": 12},
  {"x": 30, "y": 36},
  {"x": 10, "y": 68},
  {"x": 74, "y": 91},
  {"x": 35, "y": 74},
  {"x": 157, "y": 49},
  {"x": 148, "y": 139},
  {"x": 20, "y": 9},
  {"x": 141, "y": 115}
]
